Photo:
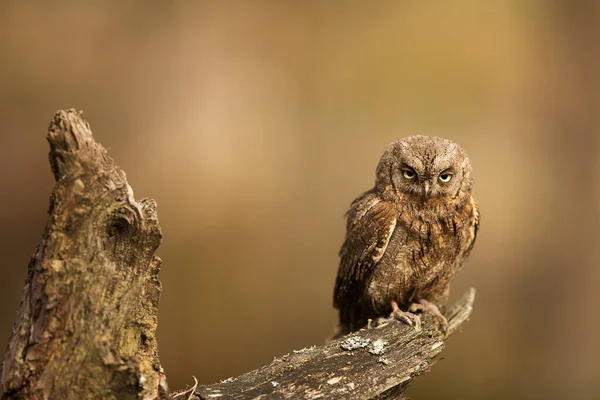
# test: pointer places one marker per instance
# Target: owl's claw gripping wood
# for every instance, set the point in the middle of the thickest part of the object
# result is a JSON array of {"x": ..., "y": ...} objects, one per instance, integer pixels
[
  {"x": 424, "y": 305},
  {"x": 405, "y": 316}
]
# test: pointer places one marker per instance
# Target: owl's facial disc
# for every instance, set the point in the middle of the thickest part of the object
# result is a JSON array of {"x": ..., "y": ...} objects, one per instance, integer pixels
[{"x": 425, "y": 169}]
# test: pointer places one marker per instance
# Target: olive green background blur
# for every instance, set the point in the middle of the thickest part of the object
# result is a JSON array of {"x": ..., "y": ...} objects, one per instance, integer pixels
[{"x": 254, "y": 124}]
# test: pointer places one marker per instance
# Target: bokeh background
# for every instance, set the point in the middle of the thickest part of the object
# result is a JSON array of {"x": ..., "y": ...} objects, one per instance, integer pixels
[{"x": 254, "y": 124}]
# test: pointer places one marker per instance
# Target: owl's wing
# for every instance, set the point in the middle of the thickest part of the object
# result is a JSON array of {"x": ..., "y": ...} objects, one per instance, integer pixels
[{"x": 371, "y": 223}]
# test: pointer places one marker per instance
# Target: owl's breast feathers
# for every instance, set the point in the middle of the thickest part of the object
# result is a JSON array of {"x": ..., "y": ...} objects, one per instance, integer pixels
[{"x": 431, "y": 246}]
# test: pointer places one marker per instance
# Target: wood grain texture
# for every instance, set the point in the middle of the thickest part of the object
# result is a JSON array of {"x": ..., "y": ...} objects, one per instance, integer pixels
[
  {"x": 86, "y": 324},
  {"x": 377, "y": 363}
]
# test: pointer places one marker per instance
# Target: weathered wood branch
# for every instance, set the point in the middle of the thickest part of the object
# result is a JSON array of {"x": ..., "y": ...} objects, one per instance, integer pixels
[
  {"x": 377, "y": 363},
  {"x": 86, "y": 324}
]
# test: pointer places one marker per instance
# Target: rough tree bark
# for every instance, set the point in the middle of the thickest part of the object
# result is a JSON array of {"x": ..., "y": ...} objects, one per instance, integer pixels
[
  {"x": 86, "y": 324},
  {"x": 87, "y": 319}
]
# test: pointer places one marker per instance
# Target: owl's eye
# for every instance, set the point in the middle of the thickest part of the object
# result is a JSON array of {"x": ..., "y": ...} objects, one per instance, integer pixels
[
  {"x": 445, "y": 177},
  {"x": 408, "y": 173}
]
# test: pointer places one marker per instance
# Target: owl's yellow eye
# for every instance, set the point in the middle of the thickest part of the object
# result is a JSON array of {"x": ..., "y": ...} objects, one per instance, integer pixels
[
  {"x": 408, "y": 173},
  {"x": 445, "y": 177}
]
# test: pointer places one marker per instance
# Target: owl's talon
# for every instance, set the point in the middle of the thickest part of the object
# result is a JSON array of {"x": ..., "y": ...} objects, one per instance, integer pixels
[
  {"x": 407, "y": 317},
  {"x": 401, "y": 316},
  {"x": 424, "y": 305}
]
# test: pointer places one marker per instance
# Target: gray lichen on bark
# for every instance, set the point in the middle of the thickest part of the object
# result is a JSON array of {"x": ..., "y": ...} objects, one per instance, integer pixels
[{"x": 86, "y": 324}]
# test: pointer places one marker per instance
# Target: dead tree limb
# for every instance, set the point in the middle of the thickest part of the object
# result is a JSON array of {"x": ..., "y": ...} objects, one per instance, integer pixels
[
  {"x": 86, "y": 324},
  {"x": 376, "y": 363}
]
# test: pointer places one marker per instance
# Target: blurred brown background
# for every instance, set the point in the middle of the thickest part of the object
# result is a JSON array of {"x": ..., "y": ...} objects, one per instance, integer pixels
[{"x": 254, "y": 124}]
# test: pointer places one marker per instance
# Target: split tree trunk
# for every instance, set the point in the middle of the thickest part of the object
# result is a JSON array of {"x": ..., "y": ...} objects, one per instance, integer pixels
[{"x": 86, "y": 324}]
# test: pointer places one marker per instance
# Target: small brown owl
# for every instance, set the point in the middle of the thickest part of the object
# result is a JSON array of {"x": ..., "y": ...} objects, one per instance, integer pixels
[{"x": 408, "y": 236}]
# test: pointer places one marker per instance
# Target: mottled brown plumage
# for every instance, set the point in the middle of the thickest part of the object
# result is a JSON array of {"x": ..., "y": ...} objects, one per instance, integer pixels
[{"x": 408, "y": 236}]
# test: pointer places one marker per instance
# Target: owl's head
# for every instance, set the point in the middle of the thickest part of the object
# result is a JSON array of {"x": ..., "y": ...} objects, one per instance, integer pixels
[{"x": 424, "y": 168}]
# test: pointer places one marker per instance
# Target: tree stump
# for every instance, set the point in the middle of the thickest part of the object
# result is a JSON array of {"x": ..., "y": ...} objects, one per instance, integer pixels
[{"x": 86, "y": 324}]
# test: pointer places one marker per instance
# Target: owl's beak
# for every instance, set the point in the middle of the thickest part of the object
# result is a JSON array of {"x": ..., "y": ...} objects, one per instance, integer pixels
[{"x": 426, "y": 190}]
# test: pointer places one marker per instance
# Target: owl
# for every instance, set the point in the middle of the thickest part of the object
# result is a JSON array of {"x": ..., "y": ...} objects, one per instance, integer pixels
[{"x": 407, "y": 237}]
